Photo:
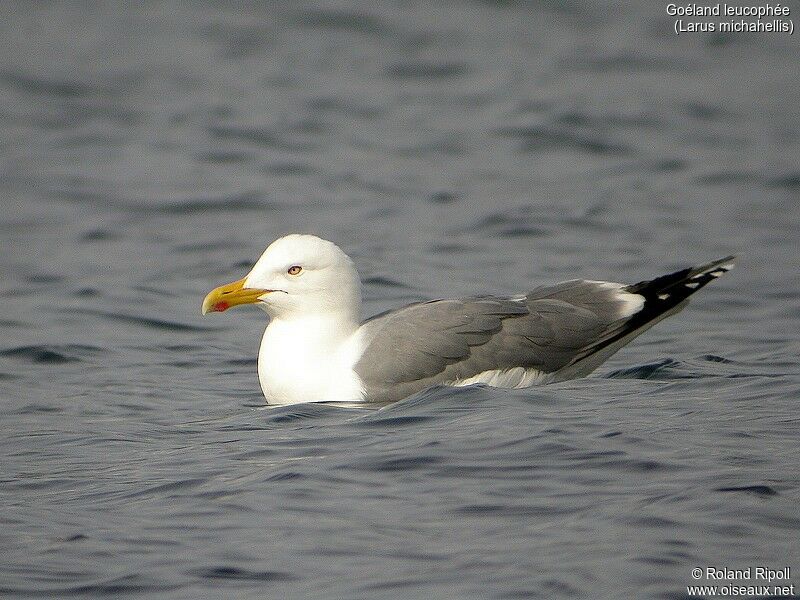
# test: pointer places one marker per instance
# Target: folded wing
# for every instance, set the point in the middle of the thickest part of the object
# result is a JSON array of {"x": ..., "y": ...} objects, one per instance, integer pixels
[{"x": 552, "y": 333}]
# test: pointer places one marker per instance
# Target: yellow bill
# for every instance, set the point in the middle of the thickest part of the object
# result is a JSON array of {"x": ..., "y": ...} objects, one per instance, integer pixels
[{"x": 231, "y": 294}]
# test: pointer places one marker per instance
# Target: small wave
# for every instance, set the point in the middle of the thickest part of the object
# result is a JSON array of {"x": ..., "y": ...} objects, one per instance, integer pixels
[
  {"x": 207, "y": 246},
  {"x": 759, "y": 490},
  {"x": 183, "y": 347},
  {"x": 394, "y": 465},
  {"x": 652, "y": 521},
  {"x": 705, "y": 112},
  {"x": 344, "y": 107},
  {"x": 705, "y": 365},
  {"x": 543, "y": 139},
  {"x": 299, "y": 412},
  {"x": 32, "y": 409},
  {"x": 259, "y": 136},
  {"x": 125, "y": 584},
  {"x": 166, "y": 488},
  {"x": 444, "y": 197},
  {"x": 626, "y": 62},
  {"x": 423, "y": 70},
  {"x": 357, "y": 22},
  {"x": 223, "y": 157},
  {"x": 93, "y": 140},
  {"x": 99, "y": 235},
  {"x": 667, "y": 368},
  {"x": 582, "y": 119},
  {"x": 450, "y": 145},
  {"x": 242, "y": 362},
  {"x": 523, "y": 231},
  {"x": 225, "y": 572},
  {"x": 715, "y": 358},
  {"x": 51, "y": 354},
  {"x": 143, "y": 321},
  {"x": 288, "y": 169},
  {"x": 47, "y": 87},
  {"x": 236, "y": 202},
  {"x": 441, "y": 400},
  {"x": 506, "y": 510},
  {"x": 394, "y": 421},
  {"x": 670, "y": 165},
  {"x": 284, "y": 476},
  {"x": 512, "y": 223},
  {"x": 381, "y": 281},
  {"x": 452, "y": 248},
  {"x": 729, "y": 178},
  {"x": 658, "y": 560},
  {"x": 788, "y": 182},
  {"x": 510, "y": 217},
  {"x": 45, "y": 278}
]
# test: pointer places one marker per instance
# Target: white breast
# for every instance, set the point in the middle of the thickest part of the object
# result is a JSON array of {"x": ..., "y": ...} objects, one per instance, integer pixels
[{"x": 306, "y": 361}]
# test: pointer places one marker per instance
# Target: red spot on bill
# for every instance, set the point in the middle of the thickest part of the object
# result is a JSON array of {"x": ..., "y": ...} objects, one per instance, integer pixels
[{"x": 221, "y": 306}]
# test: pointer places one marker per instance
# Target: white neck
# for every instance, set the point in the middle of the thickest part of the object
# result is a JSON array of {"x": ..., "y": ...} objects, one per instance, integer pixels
[{"x": 310, "y": 358}]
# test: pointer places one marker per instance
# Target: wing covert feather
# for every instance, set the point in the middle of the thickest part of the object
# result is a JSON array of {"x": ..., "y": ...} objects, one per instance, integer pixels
[{"x": 447, "y": 340}]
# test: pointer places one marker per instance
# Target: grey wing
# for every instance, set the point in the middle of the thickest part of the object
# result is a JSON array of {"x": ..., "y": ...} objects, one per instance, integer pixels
[
  {"x": 565, "y": 330},
  {"x": 445, "y": 341}
]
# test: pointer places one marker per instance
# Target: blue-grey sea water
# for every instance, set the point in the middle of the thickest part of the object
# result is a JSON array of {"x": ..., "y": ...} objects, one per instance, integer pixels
[{"x": 150, "y": 151}]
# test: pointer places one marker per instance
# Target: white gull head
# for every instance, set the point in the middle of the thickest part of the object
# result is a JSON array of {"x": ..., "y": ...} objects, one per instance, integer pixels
[
  {"x": 306, "y": 275},
  {"x": 311, "y": 291}
]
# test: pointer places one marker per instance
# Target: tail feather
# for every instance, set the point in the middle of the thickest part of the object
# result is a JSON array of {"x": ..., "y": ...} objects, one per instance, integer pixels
[{"x": 663, "y": 296}]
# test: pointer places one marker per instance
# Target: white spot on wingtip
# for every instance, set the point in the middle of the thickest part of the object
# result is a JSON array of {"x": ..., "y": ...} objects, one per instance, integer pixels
[
  {"x": 605, "y": 285},
  {"x": 692, "y": 284},
  {"x": 663, "y": 296},
  {"x": 631, "y": 304}
]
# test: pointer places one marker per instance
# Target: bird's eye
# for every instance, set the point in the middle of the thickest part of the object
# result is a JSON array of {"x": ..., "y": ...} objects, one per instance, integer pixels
[{"x": 295, "y": 270}]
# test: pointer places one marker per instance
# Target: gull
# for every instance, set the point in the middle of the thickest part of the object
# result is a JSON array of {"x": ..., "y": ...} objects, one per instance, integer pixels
[{"x": 316, "y": 349}]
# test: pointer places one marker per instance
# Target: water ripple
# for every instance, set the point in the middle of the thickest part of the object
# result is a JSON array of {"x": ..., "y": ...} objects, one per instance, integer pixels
[
  {"x": 541, "y": 139},
  {"x": 52, "y": 353},
  {"x": 228, "y": 572},
  {"x": 758, "y": 490},
  {"x": 148, "y": 322}
]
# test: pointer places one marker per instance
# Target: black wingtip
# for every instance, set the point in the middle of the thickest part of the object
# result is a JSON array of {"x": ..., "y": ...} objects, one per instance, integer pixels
[
  {"x": 720, "y": 266},
  {"x": 683, "y": 283}
]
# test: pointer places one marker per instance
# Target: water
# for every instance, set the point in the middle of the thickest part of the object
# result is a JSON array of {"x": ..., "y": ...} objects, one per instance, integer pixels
[{"x": 150, "y": 153}]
